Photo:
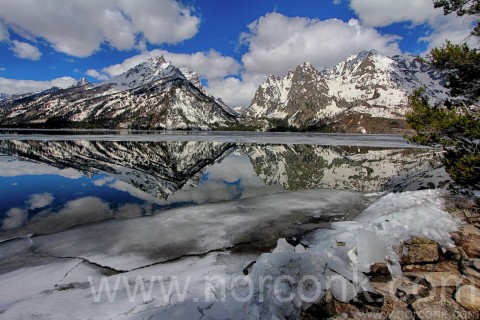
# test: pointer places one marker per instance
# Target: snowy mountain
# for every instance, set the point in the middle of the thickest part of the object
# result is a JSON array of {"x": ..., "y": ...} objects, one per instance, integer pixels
[
  {"x": 153, "y": 95},
  {"x": 366, "y": 93},
  {"x": 3, "y": 96}
]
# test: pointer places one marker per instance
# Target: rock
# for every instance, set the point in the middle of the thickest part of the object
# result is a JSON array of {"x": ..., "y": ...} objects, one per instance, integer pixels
[
  {"x": 426, "y": 309},
  {"x": 470, "y": 240},
  {"x": 401, "y": 314},
  {"x": 476, "y": 264},
  {"x": 471, "y": 281},
  {"x": 468, "y": 297},
  {"x": 444, "y": 266},
  {"x": 411, "y": 292},
  {"x": 472, "y": 247},
  {"x": 435, "y": 279},
  {"x": 368, "y": 301},
  {"x": 379, "y": 272},
  {"x": 453, "y": 254},
  {"x": 471, "y": 277},
  {"x": 456, "y": 237},
  {"x": 330, "y": 307},
  {"x": 467, "y": 230},
  {"x": 408, "y": 267},
  {"x": 326, "y": 307},
  {"x": 420, "y": 250}
]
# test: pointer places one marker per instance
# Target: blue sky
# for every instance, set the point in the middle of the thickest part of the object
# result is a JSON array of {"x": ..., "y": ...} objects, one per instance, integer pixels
[{"x": 233, "y": 45}]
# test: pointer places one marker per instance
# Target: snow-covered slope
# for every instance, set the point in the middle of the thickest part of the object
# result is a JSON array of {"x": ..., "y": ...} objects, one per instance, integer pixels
[
  {"x": 367, "y": 84},
  {"x": 153, "y": 94},
  {"x": 3, "y": 96}
]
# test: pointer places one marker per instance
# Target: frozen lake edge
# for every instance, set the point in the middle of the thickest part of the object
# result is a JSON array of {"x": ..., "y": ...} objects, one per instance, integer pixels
[{"x": 360, "y": 140}]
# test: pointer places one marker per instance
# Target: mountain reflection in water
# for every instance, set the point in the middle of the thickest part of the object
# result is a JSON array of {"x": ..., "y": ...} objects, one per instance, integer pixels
[{"x": 49, "y": 186}]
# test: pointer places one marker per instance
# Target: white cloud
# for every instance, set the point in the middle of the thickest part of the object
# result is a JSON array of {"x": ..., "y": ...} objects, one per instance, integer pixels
[
  {"x": 97, "y": 75},
  {"x": 85, "y": 207},
  {"x": 16, "y": 217},
  {"x": 16, "y": 168},
  {"x": 25, "y": 50},
  {"x": 236, "y": 92},
  {"x": 79, "y": 27},
  {"x": 40, "y": 200},
  {"x": 451, "y": 27},
  {"x": 12, "y": 86},
  {"x": 278, "y": 43},
  {"x": 378, "y": 13}
]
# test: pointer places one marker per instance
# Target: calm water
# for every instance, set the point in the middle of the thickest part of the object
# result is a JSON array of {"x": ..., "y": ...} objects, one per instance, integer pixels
[{"x": 49, "y": 185}]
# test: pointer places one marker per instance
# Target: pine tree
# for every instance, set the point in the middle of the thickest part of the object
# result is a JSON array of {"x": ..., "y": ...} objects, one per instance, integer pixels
[{"x": 455, "y": 125}]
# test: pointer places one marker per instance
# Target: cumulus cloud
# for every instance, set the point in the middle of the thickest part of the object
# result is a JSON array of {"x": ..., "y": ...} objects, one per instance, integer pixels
[
  {"x": 25, "y": 50},
  {"x": 40, "y": 200},
  {"x": 13, "y": 86},
  {"x": 453, "y": 28},
  {"x": 15, "y": 218},
  {"x": 96, "y": 75},
  {"x": 379, "y": 13},
  {"x": 236, "y": 92},
  {"x": 79, "y": 27},
  {"x": 277, "y": 42}
]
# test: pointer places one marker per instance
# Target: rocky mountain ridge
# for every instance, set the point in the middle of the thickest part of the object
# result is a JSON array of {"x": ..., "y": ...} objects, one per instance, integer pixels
[
  {"x": 367, "y": 93},
  {"x": 153, "y": 95},
  {"x": 365, "y": 86}
]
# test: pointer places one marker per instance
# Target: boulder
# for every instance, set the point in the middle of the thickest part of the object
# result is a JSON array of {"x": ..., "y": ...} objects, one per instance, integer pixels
[
  {"x": 419, "y": 250},
  {"x": 471, "y": 247},
  {"x": 470, "y": 240},
  {"x": 411, "y": 292},
  {"x": 468, "y": 297},
  {"x": 379, "y": 272},
  {"x": 428, "y": 309},
  {"x": 435, "y": 279}
]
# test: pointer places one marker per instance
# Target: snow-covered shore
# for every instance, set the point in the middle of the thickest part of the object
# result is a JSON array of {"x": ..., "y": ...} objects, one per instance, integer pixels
[{"x": 220, "y": 282}]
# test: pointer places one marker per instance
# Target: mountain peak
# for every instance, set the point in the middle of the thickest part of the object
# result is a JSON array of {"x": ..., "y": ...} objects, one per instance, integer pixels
[
  {"x": 159, "y": 59},
  {"x": 81, "y": 82},
  {"x": 306, "y": 67},
  {"x": 153, "y": 69}
]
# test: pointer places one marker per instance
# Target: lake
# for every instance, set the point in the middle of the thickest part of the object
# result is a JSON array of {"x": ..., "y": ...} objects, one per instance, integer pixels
[{"x": 109, "y": 203}]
